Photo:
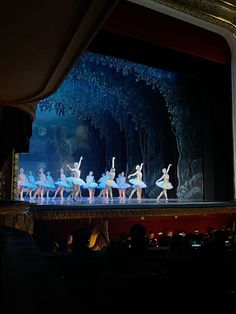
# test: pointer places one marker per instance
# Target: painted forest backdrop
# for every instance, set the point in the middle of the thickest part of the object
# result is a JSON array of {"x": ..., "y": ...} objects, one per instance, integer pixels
[{"x": 113, "y": 107}]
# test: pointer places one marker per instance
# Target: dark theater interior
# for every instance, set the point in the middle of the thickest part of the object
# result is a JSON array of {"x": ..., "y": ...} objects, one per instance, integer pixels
[{"x": 141, "y": 92}]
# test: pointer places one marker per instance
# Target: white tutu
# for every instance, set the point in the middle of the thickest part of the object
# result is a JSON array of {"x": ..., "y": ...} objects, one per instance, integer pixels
[
  {"x": 101, "y": 185},
  {"x": 50, "y": 185},
  {"x": 70, "y": 179},
  {"x": 91, "y": 185},
  {"x": 164, "y": 185},
  {"x": 66, "y": 185},
  {"x": 23, "y": 183},
  {"x": 138, "y": 183},
  {"x": 121, "y": 183},
  {"x": 104, "y": 179},
  {"x": 76, "y": 181},
  {"x": 40, "y": 182},
  {"x": 111, "y": 183},
  {"x": 32, "y": 186},
  {"x": 123, "y": 186}
]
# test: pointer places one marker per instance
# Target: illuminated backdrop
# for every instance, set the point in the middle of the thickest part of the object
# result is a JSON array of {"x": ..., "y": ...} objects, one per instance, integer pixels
[{"x": 113, "y": 107}]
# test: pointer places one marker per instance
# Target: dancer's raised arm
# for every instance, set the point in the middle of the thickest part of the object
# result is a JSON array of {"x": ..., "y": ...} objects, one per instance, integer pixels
[
  {"x": 168, "y": 168},
  {"x": 141, "y": 167},
  {"x": 81, "y": 158},
  {"x": 113, "y": 162}
]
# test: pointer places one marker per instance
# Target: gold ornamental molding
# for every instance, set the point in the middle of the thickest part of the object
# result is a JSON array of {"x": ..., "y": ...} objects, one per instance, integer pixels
[
  {"x": 68, "y": 214},
  {"x": 14, "y": 190},
  {"x": 218, "y": 12}
]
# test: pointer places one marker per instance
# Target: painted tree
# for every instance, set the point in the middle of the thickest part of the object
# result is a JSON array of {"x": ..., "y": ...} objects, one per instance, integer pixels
[{"x": 114, "y": 95}]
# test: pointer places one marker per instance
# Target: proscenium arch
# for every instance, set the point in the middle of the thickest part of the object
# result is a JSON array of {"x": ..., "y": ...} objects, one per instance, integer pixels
[{"x": 230, "y": 38}]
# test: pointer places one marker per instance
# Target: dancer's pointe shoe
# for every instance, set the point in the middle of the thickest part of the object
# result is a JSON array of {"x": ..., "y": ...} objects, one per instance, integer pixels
[
  {"x": 22, "y": 199},
  {"x": 166, "y": 200}
]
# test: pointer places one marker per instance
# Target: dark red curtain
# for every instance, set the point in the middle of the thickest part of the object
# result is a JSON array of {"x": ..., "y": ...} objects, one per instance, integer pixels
[{"x": 150, "y": 26}]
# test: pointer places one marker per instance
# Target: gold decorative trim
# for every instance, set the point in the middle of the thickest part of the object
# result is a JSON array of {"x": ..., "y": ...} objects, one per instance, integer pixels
[
  {"x": 6, "y": 179},
  {"x": 55, "y": 214},
  {"x": 218, "y": 12},
  {"x": 15, "y": 160}
]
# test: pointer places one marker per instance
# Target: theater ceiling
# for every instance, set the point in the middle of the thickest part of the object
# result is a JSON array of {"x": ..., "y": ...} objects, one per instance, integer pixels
[
  {"x": 41, "y": 40},
  {"x": 219, "y": 12}
]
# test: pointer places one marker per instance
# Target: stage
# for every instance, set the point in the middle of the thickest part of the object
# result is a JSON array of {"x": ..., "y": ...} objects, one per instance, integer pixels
[
  {"x": 64, "y": 216},
  {"x": 116, "y": 206}
]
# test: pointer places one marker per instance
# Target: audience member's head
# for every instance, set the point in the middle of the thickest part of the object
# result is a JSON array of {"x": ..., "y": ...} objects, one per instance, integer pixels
[
  {"x": 80, "y": 238},
  {"x": 138, "y": 237}
]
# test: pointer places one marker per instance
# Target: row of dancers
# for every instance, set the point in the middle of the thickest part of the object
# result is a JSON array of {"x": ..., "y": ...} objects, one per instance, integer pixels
[{"x": 73, "y": 184}]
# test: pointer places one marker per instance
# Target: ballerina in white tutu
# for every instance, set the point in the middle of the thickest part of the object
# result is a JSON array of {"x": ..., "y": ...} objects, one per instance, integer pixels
[
  {"x": 41, "y": 183},
  {"x": 109, "y": 181},
  {"x": 50, "y": 184},
  {"x": 76, "y": 179},
  {"x": 164, "y": 183},
  {"x": 62, "y": 184},
  {"x": 101, "y": 184},
  {"x": 122, "y": 185},
  {"x": 32, "y": 185},
  {"x": 90, "y": 184},
  {"x": 22, "y": 183},
  {"x": 137, "y": 182},
  {"x": 118, "y": 183},
  {"x": 70, "y": 190}
]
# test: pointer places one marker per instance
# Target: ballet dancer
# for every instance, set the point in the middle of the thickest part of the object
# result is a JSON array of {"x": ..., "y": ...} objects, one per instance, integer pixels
[
  {"x": 32, "y": 185},
  {"x": 76, "y": 179},
  {"x": 50, "y": 184},
  {"x": 109, "y": 182},
  {"x": 101, "y": 184},
  {"x": 22, "y": 184},
  {"x": 137, "y": 182},
  {"x": 164, "y": 183},
  {"x": 122, "y": 185},
  {"x": 70, "y": 190},
  {"x": 90, "y": 184},
  {"x": 118, "y": 183},
  {"x": 41, "y": 183},
  {"x": 62, "y": 184}
]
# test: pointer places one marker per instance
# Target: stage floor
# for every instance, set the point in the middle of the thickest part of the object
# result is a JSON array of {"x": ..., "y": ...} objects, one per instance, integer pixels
[
  {"x": 62, "y": 217},
  {"x": 116, "y": 207},
  {"x": 116, "y": 202}
]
